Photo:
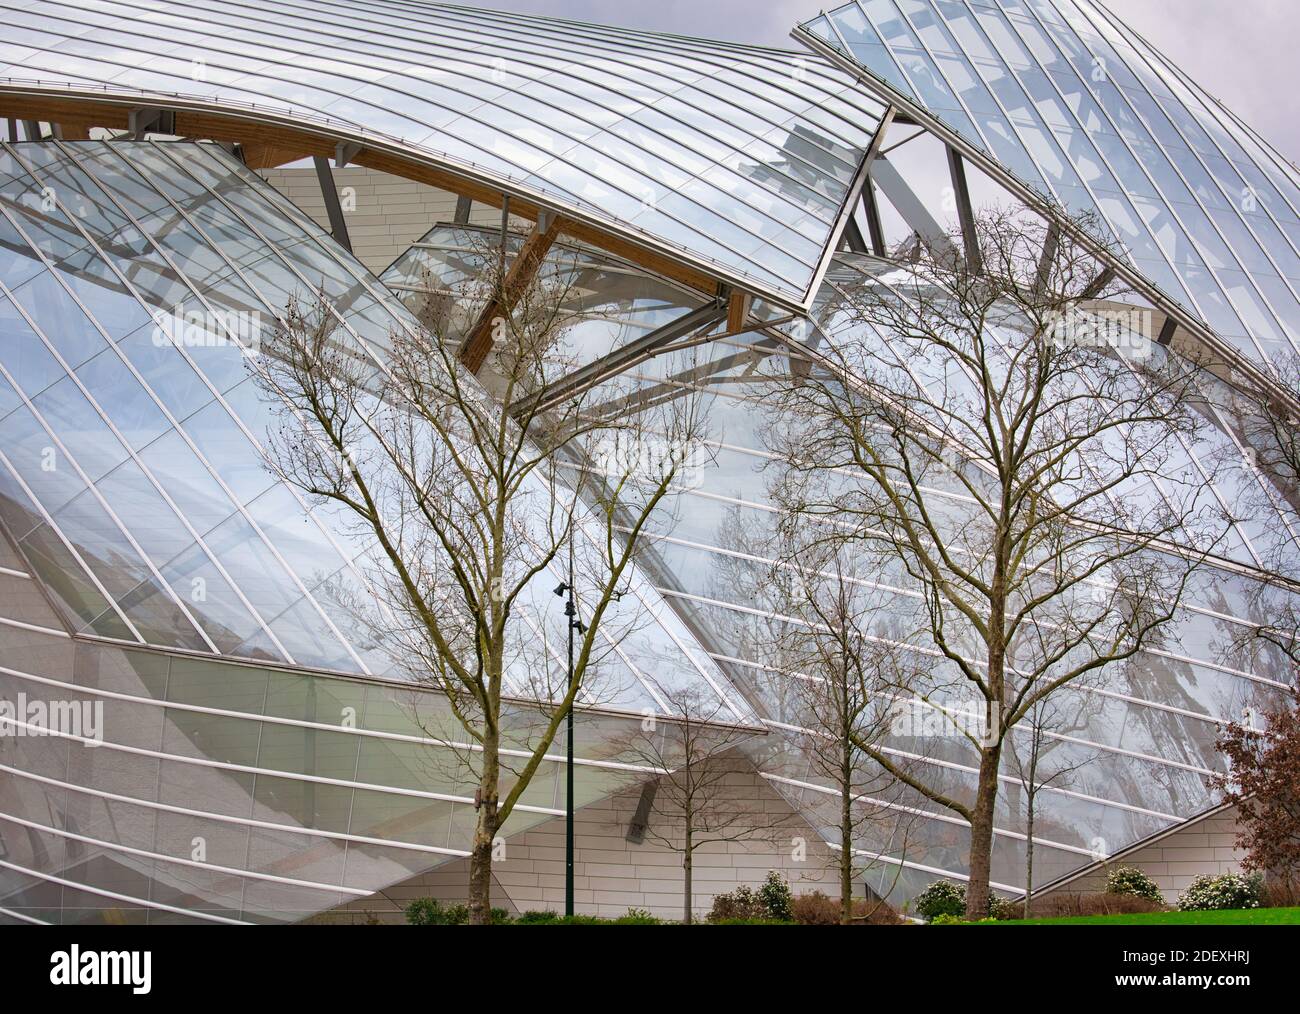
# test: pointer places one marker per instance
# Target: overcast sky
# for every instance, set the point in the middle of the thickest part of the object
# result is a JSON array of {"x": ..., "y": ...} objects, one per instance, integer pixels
[{"x": 1242, "y": 51}]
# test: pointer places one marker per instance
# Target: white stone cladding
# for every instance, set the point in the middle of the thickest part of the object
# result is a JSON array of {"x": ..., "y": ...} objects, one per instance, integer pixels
[
  {"x": 391, "y": 213},
  {"x": 613, "y": 875},
  {"x": 1173, "y": 860}
]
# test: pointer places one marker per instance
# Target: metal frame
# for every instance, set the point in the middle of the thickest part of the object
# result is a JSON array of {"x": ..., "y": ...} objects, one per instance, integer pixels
[
  {"x": 861, "y": 182},
  {"x": 693, "y": 322},
  {"x": 965, "y": 212},
  {"x": 871, "y": 209}
]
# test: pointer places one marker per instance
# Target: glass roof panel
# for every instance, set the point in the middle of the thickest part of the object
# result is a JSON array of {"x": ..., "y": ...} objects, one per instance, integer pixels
[
  {"x": 1093, "y": 117},
  {"x": 608, "y": 124}
]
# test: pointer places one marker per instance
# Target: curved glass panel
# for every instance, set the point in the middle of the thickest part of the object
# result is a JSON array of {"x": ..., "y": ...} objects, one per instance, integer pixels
[
  {"x": 1078, "y": 107},
  {"x": 735, "y": 157}
]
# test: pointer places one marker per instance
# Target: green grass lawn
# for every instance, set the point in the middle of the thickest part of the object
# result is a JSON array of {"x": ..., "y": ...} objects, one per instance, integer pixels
[{"x": 1242, "y": 917}]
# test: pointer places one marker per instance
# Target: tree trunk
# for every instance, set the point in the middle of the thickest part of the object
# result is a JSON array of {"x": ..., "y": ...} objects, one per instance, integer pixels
[
  {"x": 688, "y": 887},
  {"x": 846, "y": 841},
  {"x": 981, "y": 834},
  {"x": 1029, "y": 860},
  {"x": 480, "y": 860}
]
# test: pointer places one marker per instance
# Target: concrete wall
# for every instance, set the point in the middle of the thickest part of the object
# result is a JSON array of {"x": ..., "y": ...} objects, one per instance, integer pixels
[
  {"x": 612, "y": 875},
  {"x": 1174, "y": 860},
  {"x": 391, "y": 213}
]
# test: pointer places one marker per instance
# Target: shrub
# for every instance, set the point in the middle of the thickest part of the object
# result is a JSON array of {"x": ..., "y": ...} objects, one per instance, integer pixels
[
  {"x": 743, "y": 903},
  {"x": 431, "y": 912},
  {"x": 1131, "y": 881},
  {"x": 637, "y": 917},
  {"x": 536, "y": 918},
  {"x": 1000, "y": 909},
  {"x": 772, "y": 902},
  {"x": 1228, "y": 891},
  {"x": 943, "y": 897},
  {"x": 817, "y": 909},
  {"x": 776, "y": 898}
]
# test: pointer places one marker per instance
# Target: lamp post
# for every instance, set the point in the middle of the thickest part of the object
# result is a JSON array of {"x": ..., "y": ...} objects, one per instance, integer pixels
[{"x": 565, "y": 591}]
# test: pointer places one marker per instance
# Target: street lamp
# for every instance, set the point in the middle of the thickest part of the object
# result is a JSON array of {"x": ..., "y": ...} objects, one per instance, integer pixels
[{"x": 565, "y": 591}]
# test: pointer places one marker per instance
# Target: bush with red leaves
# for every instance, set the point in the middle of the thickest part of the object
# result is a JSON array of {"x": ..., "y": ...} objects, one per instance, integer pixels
[{"x": 1264, "y": 784}]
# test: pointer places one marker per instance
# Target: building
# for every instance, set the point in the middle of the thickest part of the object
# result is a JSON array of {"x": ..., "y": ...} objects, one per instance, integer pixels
[{"x": 174, "y": 175}]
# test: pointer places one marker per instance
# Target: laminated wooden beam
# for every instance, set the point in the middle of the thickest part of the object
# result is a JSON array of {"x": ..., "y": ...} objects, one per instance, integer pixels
[
  {"x": 478, "y": 343},
  {"x": 269, "y": 145},
  {"x": 737, "y": 311}
]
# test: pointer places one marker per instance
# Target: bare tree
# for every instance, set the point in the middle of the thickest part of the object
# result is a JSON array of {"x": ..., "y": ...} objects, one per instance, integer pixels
[
  {"x": 475, "y": 504},
  {"x": 839, "y": 671},
  {"x": 1028, "y": 750},
  {"x": 695, "y": 804},
  {"x": 1266, "y": 415},
  {"x": 1008, "y": 445}
]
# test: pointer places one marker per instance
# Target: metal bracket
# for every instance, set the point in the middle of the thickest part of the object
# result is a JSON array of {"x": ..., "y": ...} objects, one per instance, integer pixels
[
  {"x": 150, "y": 120},
  {"x": 965, "y": 212},
  {"x": 345, "y": 152}
]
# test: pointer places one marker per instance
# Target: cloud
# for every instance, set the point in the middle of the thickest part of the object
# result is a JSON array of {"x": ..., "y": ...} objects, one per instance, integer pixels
[{"x": 1243, "y": 54}]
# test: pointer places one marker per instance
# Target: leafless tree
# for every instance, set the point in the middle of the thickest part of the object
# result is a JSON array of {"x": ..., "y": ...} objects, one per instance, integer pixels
[
  {"x": 695, "y": 803},
  {"x": 475, "y": 505},
  {"x": 1266, "y": 414},
  {"x": 1030, "y": 744},
  {"x": 839, "y": 670},
  {"x": 1005, "y": 441}
]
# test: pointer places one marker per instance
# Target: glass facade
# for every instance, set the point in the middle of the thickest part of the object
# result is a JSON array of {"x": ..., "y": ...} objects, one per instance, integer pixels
[
  {"x": 261, "y": 759},
  {"x": 134, "y": 432},
  {"x": 1142, "y": 738},
  {"x": 136, "y": 280}
]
